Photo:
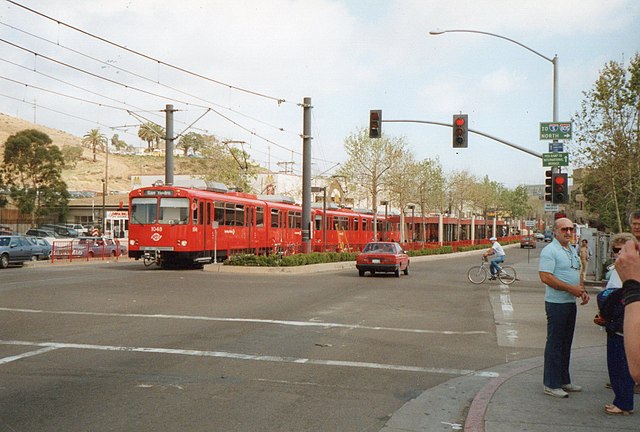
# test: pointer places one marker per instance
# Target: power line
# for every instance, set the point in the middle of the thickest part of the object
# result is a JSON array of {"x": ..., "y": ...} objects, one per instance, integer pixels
[
  {"x": 110, "y": 65},
  {"x": 143, "y": 91},
  {"x": 278, "y": 100}
]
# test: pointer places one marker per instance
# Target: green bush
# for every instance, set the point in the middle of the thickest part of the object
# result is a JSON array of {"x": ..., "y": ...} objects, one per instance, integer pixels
[{"x": 276, "y": 260}]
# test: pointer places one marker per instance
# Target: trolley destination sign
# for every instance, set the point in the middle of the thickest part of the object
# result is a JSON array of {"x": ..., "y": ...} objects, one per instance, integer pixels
[{"x": 555, "y": 131}]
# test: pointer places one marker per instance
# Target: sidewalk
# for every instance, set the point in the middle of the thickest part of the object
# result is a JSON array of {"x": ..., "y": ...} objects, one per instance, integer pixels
[
  {"x": 509, "y": 397},
  {"x": 513, "y": 401}
]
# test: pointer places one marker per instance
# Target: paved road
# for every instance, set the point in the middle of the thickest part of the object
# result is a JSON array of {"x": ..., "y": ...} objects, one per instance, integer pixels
[{"x": 115, "y": 346}]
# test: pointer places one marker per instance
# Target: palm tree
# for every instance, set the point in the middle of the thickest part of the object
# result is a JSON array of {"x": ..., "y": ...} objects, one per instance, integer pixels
[
  {"x": 151, "y": 133},
  {"x": 94, "y": 139}
]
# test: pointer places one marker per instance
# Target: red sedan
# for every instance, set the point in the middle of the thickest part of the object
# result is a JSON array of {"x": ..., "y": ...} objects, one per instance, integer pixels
[{"x": 382, "y": 257}]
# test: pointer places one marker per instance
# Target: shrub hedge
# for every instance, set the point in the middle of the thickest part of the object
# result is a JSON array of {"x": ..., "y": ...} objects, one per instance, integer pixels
[{"x": 276, "y": 260}]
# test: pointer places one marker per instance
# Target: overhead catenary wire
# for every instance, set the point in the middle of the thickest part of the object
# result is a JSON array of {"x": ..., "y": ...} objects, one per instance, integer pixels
[
  {"x": 159, "y": 62},
  {"x": 255, "y": 93},
  {"x": 144, "y": 91},
  {"x": 137, "y": 75}
]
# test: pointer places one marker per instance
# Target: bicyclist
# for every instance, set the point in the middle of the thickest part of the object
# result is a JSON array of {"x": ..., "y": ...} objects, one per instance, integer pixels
[{"x": 498, "y": 251}]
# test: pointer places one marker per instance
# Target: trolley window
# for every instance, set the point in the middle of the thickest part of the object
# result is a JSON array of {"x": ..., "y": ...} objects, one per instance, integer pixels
[
  {"x": 143, "y": 210},
  {"x": 274, "y": 218},
  {"x": 295, "y": 219},
  {"x": 219, "y": 213},
  {"x": 174, "y": 211},
  {"x": 355, "y": 224},
  {"x": 342, "y": 223},
  {"x": 260, "y": 216},
  {"x": 364, "y": 225},
  {"x": 318, "y": 222}
]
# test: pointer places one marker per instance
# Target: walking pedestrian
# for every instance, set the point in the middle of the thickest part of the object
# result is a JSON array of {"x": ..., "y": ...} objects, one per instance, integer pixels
[{"x": 559, "y": 270}]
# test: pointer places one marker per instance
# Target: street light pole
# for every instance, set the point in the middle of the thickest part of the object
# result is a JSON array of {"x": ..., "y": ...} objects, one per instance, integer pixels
[{"x": 554, "y": 60}]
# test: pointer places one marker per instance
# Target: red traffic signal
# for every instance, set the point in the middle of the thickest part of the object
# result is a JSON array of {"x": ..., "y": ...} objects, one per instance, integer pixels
[
  {"x": 460, "y": 131},
  {"x": 560, "y": 188},
  {"x": 375, "y": 123}
]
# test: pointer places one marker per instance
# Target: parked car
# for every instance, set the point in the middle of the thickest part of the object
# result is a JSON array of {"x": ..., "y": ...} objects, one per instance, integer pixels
[
  {"x": 527, "y": 242},
  {"x": 61, "y": 230},
  {"x": 41, "y": 247},
  {"x": 548, "y": 236},
  {"x": 539, "y": 236},
  {"x": 80, "y": 229},
  {"x": 382, "y": 257},
  {"x": 15, "y": 249},
  {"x": 90, "y": 247}
]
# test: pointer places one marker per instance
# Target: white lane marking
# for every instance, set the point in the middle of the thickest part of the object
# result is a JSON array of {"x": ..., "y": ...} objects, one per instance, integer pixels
[
  {"x": 325, "y": 325},
  {"x": 6, "y": 360},
  {"x": 238, "y": 356}
]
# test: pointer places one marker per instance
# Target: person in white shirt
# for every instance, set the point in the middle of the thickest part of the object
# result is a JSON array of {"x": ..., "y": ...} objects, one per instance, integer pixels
[{"x": 497, "y": 252}]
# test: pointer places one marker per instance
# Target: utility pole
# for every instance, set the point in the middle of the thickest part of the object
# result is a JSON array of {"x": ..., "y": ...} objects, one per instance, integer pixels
[
  {"x": 169, "y": 138},
  {"x": 306, "y": 175}
]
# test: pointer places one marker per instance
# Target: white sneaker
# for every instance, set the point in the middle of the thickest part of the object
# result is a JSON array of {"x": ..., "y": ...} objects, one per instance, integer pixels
[
  {"x": 558, "y": 392},
  {"x": 572, "y": 388}
]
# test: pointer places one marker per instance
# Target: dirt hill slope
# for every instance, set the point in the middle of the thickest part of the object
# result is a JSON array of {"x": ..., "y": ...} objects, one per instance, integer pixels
[{"x": 87, "y": 175}]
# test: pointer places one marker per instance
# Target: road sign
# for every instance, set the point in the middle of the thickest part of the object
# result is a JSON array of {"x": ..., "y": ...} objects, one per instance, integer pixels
[
  {"x": 548, "y": 207},
  {"x": 529, "y": 223},
  {"x": 556, "y": 146},
  {"x": 555, "y": 130},
  {"x": 555, "y": 159}
]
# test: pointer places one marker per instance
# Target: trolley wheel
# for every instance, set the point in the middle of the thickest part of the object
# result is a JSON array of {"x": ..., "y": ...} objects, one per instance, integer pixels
[
  {"x": 508, "y": 275},
  {"x": 477, "y": 274},
  {"x": 148, "y": 260}
]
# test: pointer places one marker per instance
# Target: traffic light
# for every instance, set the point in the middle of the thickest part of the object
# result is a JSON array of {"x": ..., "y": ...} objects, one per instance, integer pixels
[
  {"x": 560, "y": 193},
  {"x": 460, "y": 131},
  {"x": 548, "y": 189},
  {"x": 375, "y": 123}
]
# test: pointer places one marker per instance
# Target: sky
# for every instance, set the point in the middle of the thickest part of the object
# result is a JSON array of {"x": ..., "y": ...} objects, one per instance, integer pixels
[{"x": 240, "y": 69}]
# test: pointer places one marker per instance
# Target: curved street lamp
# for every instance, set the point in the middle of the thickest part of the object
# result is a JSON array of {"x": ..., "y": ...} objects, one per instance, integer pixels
[{"x": 554, "y": 60}]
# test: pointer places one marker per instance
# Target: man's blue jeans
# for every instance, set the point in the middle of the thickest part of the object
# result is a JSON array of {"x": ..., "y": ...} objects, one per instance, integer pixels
[
  {"x": 561, "y": 324},
  {"x": 494, "y": 264}
]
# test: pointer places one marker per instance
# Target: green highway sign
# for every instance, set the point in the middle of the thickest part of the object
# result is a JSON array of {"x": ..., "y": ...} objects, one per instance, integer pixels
[
  {"x": 555, "y": 159},
  {"x": 555, "y": 131}
]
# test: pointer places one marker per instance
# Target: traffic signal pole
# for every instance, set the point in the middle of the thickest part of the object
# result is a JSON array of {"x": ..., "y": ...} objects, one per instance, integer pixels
[{"x": 500, "y": 140}]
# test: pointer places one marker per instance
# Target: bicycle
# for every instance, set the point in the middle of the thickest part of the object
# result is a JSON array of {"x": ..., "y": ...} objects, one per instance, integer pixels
[{"x": 478, "y": 274}]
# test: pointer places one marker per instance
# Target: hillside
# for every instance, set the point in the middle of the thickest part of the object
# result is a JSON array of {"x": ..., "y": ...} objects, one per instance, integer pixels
[{"x": 88, "y": 174}]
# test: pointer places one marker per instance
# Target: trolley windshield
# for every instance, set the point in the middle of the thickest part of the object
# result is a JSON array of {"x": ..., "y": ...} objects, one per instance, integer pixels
[{"x": 170, "y": 211}]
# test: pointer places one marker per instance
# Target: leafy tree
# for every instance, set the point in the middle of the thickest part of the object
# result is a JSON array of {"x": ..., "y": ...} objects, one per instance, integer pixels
[
  {"x": 607, "y": 143},
  {"x": 462, "y": 192},
  {"x": 191, "y": 140},
  {"x": 95, "y": 140},
  {"x": 516, "y": 202},
  {"x": 152, "y": 133},
  {"x": 221, "y": 166},
  {"x": 33, "y": 172},
  {"x": 71, "y": 155},
  {"x": 369, "y": 163},
  {"x": 118, "y": 144}
]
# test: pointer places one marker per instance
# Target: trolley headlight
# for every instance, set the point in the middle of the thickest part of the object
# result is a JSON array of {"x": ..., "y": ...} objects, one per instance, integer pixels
[
  {"x": 133, "y": 242},
  {"x": 182, "y": 243}
]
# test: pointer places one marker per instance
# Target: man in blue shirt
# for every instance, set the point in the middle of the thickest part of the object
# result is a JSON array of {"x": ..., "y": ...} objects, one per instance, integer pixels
[{"x": 559, "y": 270}]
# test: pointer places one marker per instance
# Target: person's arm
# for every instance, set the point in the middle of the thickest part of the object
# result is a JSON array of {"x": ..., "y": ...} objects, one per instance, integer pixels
[
  {"x": 628, "y": 268},
  {"x": 632, "y": 338},
  {"x": 555, "y": 283}
]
